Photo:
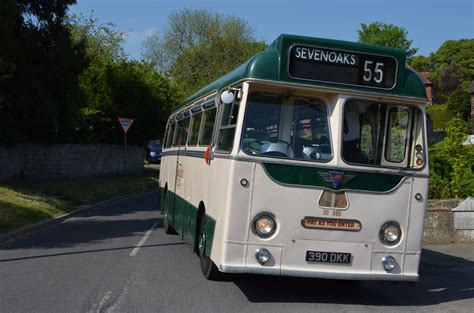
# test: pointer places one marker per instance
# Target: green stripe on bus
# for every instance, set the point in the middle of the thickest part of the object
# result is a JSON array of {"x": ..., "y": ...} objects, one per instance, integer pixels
[
  {"x": 320, "y": 177},
  {"x": 184, "y": 220}
]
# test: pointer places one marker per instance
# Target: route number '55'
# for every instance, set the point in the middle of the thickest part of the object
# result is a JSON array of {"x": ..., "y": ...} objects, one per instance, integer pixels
[{"x": 369, "y": 69}]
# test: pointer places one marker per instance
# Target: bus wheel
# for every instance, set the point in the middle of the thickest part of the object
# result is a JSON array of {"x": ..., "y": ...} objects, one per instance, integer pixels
[{"x": 208, "y": 268}]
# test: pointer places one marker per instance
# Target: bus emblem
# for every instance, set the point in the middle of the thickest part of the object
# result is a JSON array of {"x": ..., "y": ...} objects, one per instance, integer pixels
[{"x": 336, "y": 177}]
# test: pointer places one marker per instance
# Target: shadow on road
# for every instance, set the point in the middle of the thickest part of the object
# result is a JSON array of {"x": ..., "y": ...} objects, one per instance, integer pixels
[
  {"x": 444, "y": 278},
  {"x": 94, "y": 225}
]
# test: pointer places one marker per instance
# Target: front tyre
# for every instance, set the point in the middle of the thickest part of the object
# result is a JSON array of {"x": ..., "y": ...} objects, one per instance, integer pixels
[{"x": 208, "y": 268}]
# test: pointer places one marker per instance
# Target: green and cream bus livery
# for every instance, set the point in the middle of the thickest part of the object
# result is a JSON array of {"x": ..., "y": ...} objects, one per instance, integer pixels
[{"x": 310, "y": 159}]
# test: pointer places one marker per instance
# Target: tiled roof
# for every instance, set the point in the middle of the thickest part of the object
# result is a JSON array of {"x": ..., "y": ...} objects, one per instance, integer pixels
[{"x": 424, "y": 77}]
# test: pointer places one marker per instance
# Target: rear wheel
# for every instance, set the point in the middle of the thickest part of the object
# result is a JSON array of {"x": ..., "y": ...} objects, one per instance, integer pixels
[{"x": 208, "y": 268}]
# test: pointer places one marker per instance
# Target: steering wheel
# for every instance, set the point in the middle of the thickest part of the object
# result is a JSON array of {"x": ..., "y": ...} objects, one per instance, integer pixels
[{"x": 253, "y": 145}]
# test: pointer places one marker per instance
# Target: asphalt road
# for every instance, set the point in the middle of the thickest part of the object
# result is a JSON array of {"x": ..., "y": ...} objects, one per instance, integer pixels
[{"x": 93, "y": 262}]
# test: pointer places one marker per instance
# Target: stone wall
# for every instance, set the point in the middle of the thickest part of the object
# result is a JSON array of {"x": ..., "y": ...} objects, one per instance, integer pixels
[
  {"x": 30, "y": 161},
  {"x": 439, "y": 224}
]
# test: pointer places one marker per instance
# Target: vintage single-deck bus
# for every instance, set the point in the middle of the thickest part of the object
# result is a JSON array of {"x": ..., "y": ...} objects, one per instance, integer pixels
[{"x": 310, "y": 159}]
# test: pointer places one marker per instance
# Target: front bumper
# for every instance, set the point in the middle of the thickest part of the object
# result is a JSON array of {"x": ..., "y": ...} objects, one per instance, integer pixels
[{"x": 289, "y": 260}]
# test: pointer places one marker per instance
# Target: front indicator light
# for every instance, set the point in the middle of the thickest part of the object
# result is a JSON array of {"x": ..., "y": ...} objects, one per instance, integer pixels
[
  {"x": 264, "y": 225},
  {"x": 389, "y": 263},
  {"x": 390, "y": 233}
]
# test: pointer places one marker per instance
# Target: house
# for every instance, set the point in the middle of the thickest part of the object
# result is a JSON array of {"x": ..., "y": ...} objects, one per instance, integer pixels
[{"x": 428, "y": 85}]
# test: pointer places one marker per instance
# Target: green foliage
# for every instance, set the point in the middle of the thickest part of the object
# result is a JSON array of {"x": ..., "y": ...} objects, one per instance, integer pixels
[
  {"x": 422, "y": 63},
  {"x": 452, "y": 164},
  {"x": 112, "y": 86},
  {"x": 124, "y": 88},
  {"x": 459, "y": 103},
  {"x": 440, "y": 115},
  {"x": 452, "y": 69},
  {"x": 199, "y": 46},
  {"x": 386, "y": 35},
  {"x": 199, "y": 65},
  {"x": 39, "y": 70},
  {"x": 103, "y": 44},
  {"x": 459, "y": 53}
]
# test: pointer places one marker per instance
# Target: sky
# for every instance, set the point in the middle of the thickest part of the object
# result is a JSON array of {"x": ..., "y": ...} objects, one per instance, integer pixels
[{"x": 429, "y": 23}]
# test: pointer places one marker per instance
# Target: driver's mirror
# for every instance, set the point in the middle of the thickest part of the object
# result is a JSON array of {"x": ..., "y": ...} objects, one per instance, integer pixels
[{"x": 227, "y": 97}]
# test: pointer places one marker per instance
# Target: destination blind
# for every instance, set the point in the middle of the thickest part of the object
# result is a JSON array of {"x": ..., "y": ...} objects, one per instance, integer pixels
[{"x": 343, "y": 67}]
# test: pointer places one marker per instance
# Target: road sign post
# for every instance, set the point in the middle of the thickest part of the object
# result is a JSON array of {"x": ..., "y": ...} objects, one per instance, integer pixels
[{"x": 125, "y": 123}]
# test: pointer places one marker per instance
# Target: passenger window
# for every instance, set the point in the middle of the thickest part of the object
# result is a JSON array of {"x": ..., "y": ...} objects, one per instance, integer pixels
[
  {"x": 397, "y": 135},
  {"x": 181, "y": 133},
  {"x": 208, "y": 127},
  {"x": 196, "y": 125},
  {"x": 169, "y": 139}
]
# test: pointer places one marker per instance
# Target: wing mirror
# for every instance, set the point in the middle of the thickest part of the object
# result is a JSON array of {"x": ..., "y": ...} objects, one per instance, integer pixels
[{"x": 227, "y": 97}]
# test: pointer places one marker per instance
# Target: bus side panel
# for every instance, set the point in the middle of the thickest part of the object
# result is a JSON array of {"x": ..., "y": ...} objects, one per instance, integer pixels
[
  {"x": 218, "y": 201},
  {"x": 168, "y": 178},
  {"x": 417, "y": 214},
  {"x": 416, "y": 221},
  {"x": 236, "y": 218}
]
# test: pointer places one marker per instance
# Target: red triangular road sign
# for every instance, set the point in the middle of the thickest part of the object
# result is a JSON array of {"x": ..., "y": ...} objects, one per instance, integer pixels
[{"x": 126, "y": 123}]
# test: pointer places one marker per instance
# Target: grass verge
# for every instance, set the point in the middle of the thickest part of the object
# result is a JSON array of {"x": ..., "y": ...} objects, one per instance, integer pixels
[{"x": 26, "y": 203}]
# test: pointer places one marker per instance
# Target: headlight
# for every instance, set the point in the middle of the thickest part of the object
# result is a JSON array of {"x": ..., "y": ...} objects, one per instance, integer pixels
[
  {"x": 264, "y": 225},
  {"x": 390, "y": 233},
  {"x": 152, "y": 154}
]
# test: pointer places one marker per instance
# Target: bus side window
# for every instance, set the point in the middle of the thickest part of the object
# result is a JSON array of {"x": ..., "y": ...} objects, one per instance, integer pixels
[
  {"x": 169, "y": 139},
  {"x": 228, "y": 124},
  {"x": 195, "y": 127},
  {"x": 209, "y": 119},
  {"x": 182, "y": 132}
]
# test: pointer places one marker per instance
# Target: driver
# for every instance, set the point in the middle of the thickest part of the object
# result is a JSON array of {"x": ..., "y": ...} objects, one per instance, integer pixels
[{"x": 351, "y": 141}]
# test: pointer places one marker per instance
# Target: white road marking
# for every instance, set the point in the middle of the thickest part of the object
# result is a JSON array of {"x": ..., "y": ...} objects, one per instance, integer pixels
[
  {"x": 103, "y": 301},
  {"x": 142, "y": 241}
]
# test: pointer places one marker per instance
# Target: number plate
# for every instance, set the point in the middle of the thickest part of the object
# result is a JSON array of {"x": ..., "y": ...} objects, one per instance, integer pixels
[{"x": 328, "y": 257}]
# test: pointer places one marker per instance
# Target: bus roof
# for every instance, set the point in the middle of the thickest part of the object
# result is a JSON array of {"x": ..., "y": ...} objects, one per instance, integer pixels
[{"x": 272, "y": 64}]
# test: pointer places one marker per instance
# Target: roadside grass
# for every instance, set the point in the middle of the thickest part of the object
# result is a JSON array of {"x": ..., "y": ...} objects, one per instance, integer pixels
[{"x": 24, "y": 203}]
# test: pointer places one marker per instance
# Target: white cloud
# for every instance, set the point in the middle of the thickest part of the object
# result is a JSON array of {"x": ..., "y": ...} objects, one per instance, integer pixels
[{"x": 138, "y": 36}]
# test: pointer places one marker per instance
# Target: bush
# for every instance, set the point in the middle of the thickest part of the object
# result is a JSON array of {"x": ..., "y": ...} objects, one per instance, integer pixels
[
  {"x": 452, "y": 164},
  {"x": 440, "y": 115},
  {"x": 459, "y": 103}
]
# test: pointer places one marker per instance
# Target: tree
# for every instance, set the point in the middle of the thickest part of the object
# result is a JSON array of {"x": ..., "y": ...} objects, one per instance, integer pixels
[
  {"x": 459, "y": 103},
  {"x": 102, "y": 42},
  {"x": 458, "y": 53},
  {"x": 112, "y": 86},
  {"x": 453, "y": 68},
  {"x": 40, "y": 66},
  {"x": 125, "y": 88},
  {"x": 423, "y": 64},
  {"x": 199, "y": 65},
  {"x": 198, "y": 46},
  {"x": 386, "y": 35}
]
